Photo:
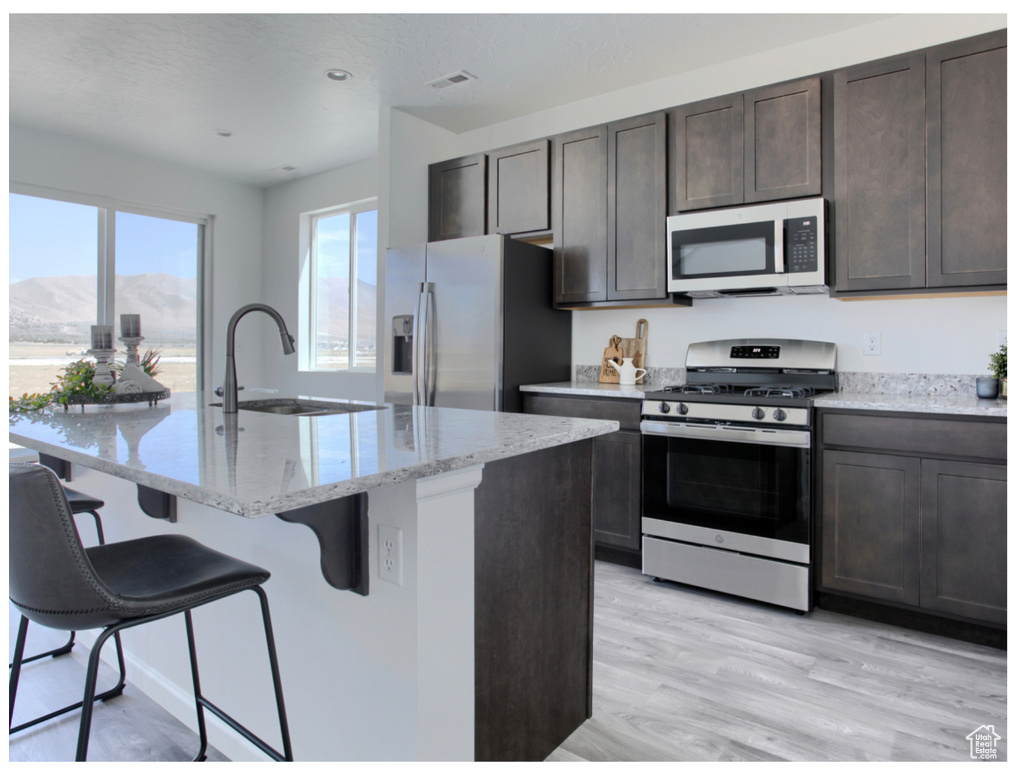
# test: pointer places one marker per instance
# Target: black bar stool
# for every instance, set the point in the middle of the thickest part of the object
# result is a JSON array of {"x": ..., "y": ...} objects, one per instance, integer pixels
[
  {"x": 55, "y": 582},
  {"x": 80, "y": 504}
]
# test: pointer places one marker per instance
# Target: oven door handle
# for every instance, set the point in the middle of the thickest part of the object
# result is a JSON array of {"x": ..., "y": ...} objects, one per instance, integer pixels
[{"x": 787, "y": 437}]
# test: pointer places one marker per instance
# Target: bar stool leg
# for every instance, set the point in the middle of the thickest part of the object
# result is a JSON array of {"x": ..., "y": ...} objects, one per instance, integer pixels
[
  {"x": 197, "y": 693},
  {"x": 19, "y": 652},
  {"x": 282, "y": 715},
  {"x": 88, "y": 702}
]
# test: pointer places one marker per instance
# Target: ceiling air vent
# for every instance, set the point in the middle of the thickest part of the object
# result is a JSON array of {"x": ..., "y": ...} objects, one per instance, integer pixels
[{"x": 454, "y": 79}]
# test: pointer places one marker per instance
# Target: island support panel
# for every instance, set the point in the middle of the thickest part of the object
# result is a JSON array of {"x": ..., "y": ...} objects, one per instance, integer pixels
[{"x": 534, "y": 602}]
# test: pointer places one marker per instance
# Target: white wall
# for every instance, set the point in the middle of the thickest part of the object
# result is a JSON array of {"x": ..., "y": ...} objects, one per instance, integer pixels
[
  {"x": 55, "y": 161},
  {"x": 285, "y": 254},
  {"x": 941, "y": 335}
]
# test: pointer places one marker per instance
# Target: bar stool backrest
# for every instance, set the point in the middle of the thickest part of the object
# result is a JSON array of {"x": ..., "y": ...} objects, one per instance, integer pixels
[{"x": 52, "y": 581}]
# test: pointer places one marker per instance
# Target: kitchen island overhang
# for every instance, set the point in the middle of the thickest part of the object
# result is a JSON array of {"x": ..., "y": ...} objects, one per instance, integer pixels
[{"x": 492, "y": 626}]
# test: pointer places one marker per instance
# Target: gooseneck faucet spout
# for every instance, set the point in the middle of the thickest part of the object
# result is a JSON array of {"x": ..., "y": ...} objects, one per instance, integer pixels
[{"x": 230, "y": 380}]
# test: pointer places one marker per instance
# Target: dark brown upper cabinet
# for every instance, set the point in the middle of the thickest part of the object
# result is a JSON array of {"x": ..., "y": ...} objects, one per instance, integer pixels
[
  {"x": 609, "y": 221},
  {"x": 518, "y": 199},
  {"x": 579, "y": 220},
  {"x": 920, "y": 170},
  {"x": 636, "y": 208},
  {"x": 457, "y": 197},
  {"x": 966, "y": 216},
  {"x": 759, "y": 145}
]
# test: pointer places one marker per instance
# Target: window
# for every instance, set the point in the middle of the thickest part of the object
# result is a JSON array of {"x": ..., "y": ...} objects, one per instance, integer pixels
[
  {"x": 342, "y": 292},
  {"x": 74, "y": 264}
]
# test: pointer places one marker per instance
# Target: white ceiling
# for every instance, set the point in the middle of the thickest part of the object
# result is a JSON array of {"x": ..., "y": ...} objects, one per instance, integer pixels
[{"x": 161, "y": 85}]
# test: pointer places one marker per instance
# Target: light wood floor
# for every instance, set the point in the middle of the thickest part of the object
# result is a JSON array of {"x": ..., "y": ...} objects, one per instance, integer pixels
[
  {"x": 679, "y": 675},
  {"x": 129, "y": 727},
  {"x": 684, "y": 674}
]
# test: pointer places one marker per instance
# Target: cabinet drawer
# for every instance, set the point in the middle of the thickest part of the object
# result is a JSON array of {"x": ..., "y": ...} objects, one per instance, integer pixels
[
  {"x": 921, "y": 436},
  {"x": 628, "y": 412}
]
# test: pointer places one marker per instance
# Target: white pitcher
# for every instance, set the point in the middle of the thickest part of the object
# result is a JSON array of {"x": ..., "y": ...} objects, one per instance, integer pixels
[{"x": 628, "y": 371}]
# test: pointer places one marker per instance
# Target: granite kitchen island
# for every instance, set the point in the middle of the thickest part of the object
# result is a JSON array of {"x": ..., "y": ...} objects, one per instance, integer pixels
[{"x": 472, "y": 639}]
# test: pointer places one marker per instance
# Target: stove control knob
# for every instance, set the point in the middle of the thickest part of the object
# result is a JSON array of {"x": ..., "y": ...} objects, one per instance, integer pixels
[
  {"x": 758, "y": 414},
  {"x": 664, "y": 407},
  {"x": 779, "y": 415},
  {"x": 682, "y": 409}
]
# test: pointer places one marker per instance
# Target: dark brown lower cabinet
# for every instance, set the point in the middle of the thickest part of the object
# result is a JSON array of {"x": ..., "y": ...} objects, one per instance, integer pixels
[
  {"x": 913, "y": 511},
  {"x": 617, "y": 489},
  {"x": 870, "y": 525},
  {"x": 964, "y": 554},
  {"x": 617, "y": 469}
]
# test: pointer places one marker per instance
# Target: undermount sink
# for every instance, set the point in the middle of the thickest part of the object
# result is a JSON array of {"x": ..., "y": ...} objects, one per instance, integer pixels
[{"x": 292, "y": 407}]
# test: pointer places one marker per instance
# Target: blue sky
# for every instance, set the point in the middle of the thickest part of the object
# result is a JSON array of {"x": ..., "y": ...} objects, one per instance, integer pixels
[{"x": 51, "y": 237}]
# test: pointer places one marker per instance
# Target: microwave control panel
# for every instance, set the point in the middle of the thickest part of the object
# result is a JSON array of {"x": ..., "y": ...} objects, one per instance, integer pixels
[{"x": 801, "y": 244}]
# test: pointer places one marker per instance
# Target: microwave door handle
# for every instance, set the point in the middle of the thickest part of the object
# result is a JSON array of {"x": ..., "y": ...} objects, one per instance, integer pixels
[{"x": 780, "y": 260}]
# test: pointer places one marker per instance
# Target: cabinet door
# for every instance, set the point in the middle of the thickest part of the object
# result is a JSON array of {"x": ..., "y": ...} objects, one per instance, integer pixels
[
  {"x": 518, "y": 196},
  {"x": 457, "y": 197},
  {"x": 708, "y": 146},
  {"x": 964, "y": 547},
  {"x": 617, "y": 489},
  {"x": 966, "y": 113},
  {"x": 870, "y": 525},
  {"x": 579, "y": 180},
  {"x": 636, "y": 208},
  {"x": 782, "y": 141},
  {"x": 880, "y": 208}
]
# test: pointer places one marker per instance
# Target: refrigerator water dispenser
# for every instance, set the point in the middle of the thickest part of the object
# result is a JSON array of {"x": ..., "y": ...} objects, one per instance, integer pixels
[{"x": 403, "y": 341}]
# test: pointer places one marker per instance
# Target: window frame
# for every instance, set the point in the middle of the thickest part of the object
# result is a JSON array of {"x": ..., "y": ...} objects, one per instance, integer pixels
[
  {"x": 312, "y": 219},
  {"x": 105, "y": 253}
]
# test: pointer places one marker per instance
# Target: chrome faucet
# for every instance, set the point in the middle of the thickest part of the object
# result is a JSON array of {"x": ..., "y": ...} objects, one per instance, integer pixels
[{"x": 230, "y": 390}]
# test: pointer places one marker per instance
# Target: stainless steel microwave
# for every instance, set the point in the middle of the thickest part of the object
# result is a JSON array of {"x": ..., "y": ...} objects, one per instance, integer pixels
[{"x": 756, "y": 250}]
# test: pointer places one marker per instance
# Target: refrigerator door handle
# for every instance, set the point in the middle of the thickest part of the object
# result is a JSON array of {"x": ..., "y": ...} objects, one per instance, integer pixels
[
  {"x": 430, "y": 370},
  {"x": 417, "y": 351},
  {"x": 422, "y": 345}
]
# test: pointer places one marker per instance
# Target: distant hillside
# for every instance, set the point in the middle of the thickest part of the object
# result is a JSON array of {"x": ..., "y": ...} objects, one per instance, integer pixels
[{"x": 63, "y": 308}]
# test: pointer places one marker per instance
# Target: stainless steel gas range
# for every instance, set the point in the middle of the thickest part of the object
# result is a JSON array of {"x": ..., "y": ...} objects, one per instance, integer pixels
[{"x": 726, "y": 468}]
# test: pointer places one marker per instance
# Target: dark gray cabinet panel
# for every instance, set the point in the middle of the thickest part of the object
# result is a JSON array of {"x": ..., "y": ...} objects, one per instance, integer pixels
[
  {"x": 964, "y": 547},
  {"x": 457, "y": 198},
  {"x": 518, "y": 198},
  {"x": 708, "y": 147},
  {"x": 617, "y": 464},
  {"x": 870, "y": 525},
  {"x": 617, "y": 489},
  {"x": 920, "y": 170},
  {"x": 748, "y": 147},
  {"x": 636, "y": 208},
  {"x": 579, "y": 219},
  {"x": 913, "y": 510},
  {"x": 966, "y": 180},
  {"x": 879, "y": 207},
  {"x": 782, "y": 141}
]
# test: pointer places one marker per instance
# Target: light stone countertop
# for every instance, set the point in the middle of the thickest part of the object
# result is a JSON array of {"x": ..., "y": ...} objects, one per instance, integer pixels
[
  {"x": 586, "y": 389},
  {"x": 254, "y": 464},
  {"x": 955, "y": 405}
]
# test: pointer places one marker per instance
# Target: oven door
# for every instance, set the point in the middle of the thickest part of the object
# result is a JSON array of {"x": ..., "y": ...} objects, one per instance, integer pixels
[{"x": 740, "y": 488}]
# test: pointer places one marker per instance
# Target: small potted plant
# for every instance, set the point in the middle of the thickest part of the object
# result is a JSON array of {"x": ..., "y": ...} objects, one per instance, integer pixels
[{"x": 997, "y": 364}]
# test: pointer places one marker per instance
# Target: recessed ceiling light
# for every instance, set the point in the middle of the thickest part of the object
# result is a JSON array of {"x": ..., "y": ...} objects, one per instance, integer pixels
[
  {"x": 223, "y": 132},
  {"x": 340, "y": 75}
]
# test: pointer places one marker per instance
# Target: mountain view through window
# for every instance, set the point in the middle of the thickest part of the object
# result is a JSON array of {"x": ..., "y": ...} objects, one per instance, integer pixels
[{"x": 57, "y": 255}]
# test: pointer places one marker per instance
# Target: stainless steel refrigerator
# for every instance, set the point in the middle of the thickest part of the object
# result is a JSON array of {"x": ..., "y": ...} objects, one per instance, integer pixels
[{"x": 468, "y": 321}]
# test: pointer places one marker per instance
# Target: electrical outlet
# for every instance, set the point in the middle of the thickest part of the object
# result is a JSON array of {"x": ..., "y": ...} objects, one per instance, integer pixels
[
  {"x": 390, "y": 554},
  {"x": 871, "y": 343}
]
